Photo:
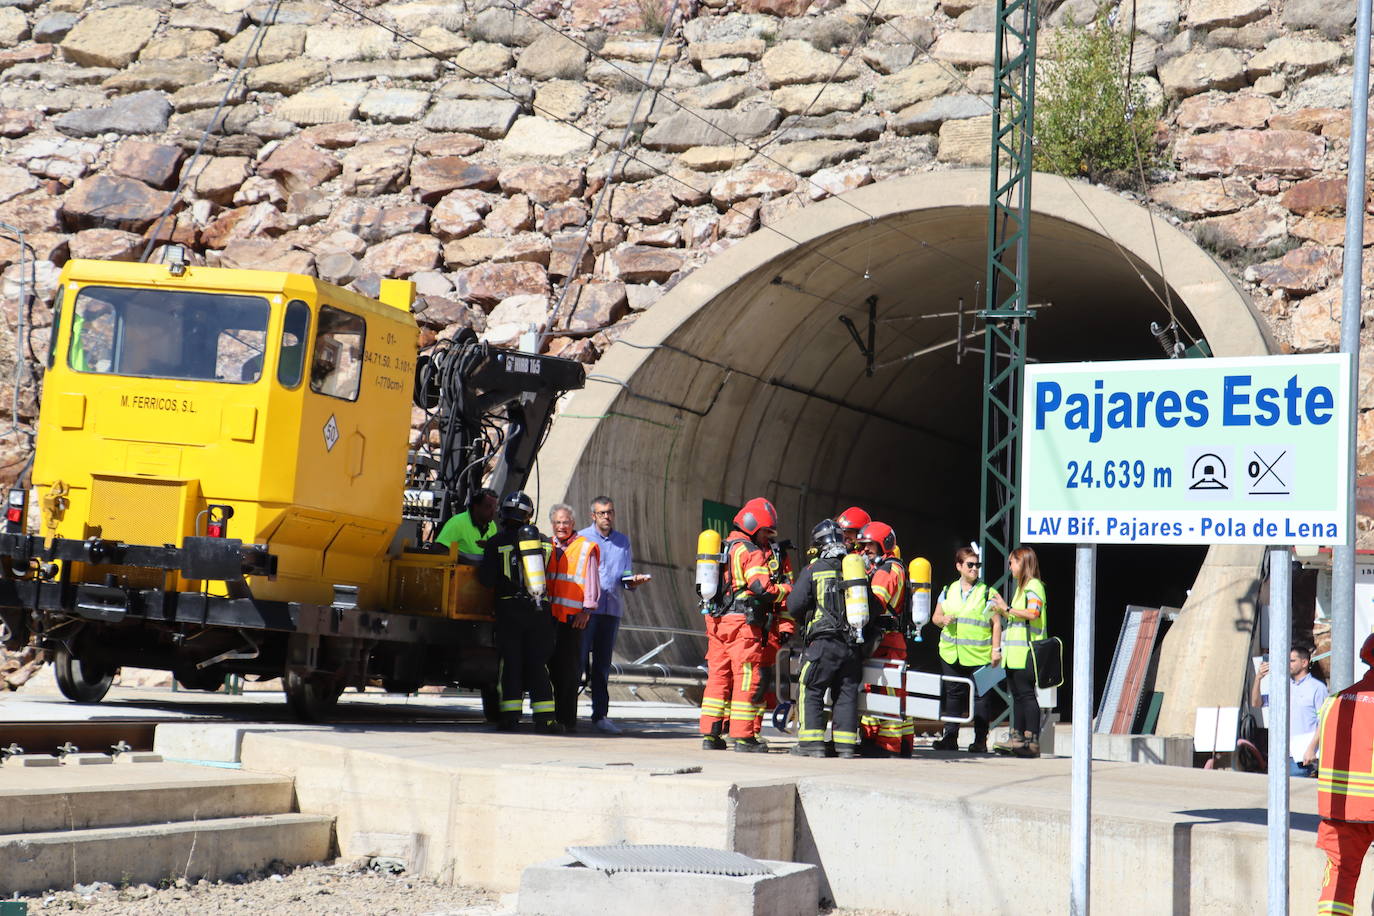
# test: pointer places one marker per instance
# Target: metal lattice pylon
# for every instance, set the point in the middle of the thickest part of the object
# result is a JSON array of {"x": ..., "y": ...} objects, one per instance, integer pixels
[{"x": 1007, "y": 310}]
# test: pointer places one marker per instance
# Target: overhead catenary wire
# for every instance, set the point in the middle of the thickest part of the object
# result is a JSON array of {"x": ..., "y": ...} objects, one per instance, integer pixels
[
  {"x": 861, "y": 40},
  {"x": 954, "y": 74},
  {"x": 610, "y": 181},
  {"x": 736, "y": 140},
  {"x": 925, "y": 50},
  {"x": 269, "y": 17},
  {"x": 586, "y": 133}
]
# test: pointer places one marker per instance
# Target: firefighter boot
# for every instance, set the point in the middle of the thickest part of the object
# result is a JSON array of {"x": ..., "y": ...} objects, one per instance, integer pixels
[
  {"x": 1014, "y": 743},
  {"x": 870, "y": 748},
  {"x": 810, "y": 749},
  {"x": 845, "y": 751},
  {"x": 948, "y": 742},
  {"x": 751, "y": 745},
  {"x": 712, "y": 741},
  {"x": 1030, "y": 746},
  {"x": 508, "y": 722}
]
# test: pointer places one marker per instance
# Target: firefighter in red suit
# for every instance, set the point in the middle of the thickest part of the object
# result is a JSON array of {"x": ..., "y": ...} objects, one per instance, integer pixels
[
  {"x": 753, "y": 592},
  {"x": 887, "y": 588},
  {"x": 851, "y": 522},
  {"x": 1345, "y": 787}
]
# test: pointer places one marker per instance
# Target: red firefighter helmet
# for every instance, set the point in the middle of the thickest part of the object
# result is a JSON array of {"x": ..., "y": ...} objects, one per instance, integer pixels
[
  {"x": 880, "y": 534},
  {"x": 853, "y": 519},
  {"x": 757, "y": 513},
  {"x": 1367, "y": 650}
]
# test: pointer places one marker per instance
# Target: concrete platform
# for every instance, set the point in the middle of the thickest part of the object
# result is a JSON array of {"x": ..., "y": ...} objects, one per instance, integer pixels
[
  {"x": 937, "y": 834},
  {"x": 55, "y": 798},
  {"x": 144, "y": 823}
]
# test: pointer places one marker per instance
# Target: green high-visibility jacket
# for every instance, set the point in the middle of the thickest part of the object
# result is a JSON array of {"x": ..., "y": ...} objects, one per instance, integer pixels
[
  {"x": 1018, "y": 634},
  {"x": 967, "y": 636}
]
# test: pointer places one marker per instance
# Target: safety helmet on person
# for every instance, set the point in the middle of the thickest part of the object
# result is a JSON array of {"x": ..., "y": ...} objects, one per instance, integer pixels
[
  {"x": 757, "y": 515},
  {"x": 828, "y": 539},
  {"x": 880, "y": 534},
  {"x": 852, "y": 520},
  {"x": 517, "y": 507},
  {"x": 1367, "y": 650}
]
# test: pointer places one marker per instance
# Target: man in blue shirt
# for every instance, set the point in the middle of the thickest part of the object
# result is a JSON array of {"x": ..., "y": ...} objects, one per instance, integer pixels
[
  {"x": 1305, "y": 698},
  {"x": 598, "y": 640}
]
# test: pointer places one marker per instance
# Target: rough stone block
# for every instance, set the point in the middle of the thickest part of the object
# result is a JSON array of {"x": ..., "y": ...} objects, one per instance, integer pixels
[{"x": 110, "y": 38}]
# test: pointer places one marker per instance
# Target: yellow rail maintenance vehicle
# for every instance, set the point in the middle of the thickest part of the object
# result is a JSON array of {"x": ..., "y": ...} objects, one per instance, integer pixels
[{"x": 186, "y": 404}]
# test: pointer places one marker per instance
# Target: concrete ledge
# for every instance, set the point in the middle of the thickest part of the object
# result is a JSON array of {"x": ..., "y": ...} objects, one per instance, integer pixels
[
  {"x": 1171, "y": 751},
  {"x": 563, "y": 887},
  {"x": 58, "y": 799},
  {"x": 211, "y": 742},
  {"x": 482, "y": 819},
  {"x": 212, "y": 849}
]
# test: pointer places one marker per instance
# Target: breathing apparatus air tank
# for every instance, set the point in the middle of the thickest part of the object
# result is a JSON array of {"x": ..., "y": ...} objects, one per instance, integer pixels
[
  {"x": 708, "y": 566},
  {"x": 531, "y": 550},
  {"x": 855, "y": 585},
  {"x": 918, "y": 573}
]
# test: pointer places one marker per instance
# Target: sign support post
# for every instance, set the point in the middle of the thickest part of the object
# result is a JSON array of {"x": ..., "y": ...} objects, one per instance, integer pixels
[
  {"x": 1081, "y": 794},
  {"x": 1280, "y": 638}
]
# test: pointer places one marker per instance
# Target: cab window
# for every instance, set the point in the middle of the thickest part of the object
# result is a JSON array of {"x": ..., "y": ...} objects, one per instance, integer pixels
[
  {"x": 56, "y": 326},
  {"x": 173, "y": 334},
  {"x": 337, "y": 367},
  {"x": 294, "y": 327}
]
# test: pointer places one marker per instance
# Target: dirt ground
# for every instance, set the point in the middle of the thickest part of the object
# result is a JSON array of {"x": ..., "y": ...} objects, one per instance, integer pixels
[{"x": 339, "y": 889}]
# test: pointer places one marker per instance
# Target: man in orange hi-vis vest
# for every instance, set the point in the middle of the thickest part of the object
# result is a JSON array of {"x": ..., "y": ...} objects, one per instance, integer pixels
[
  {"x": 753, "y": 590},
  {"x": 574, "y": 590},
  {"x": 1345, "y": 787}
]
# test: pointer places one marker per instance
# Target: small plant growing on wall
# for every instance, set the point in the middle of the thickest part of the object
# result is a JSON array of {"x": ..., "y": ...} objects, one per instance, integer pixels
[{"x": 1092, "y": 118}]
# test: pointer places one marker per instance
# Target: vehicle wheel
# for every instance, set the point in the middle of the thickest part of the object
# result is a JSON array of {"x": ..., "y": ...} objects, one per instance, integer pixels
[
  {"x": 491, "y": 703},
  {"x": 81, "y": 682},
  {"x": 312, "y": 698}
]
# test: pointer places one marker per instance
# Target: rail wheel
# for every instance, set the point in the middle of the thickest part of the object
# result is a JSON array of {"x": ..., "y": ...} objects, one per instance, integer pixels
[
  {"x": 311, "y": 697},
  {"x": 81, "y": 681}
]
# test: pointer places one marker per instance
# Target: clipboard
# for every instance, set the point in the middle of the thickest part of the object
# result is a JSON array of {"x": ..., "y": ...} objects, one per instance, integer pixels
[{"x": 988, "y": 677}]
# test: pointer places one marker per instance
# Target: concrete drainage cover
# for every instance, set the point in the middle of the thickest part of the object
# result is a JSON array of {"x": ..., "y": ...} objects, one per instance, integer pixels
[{"x": 697, "y": 860}]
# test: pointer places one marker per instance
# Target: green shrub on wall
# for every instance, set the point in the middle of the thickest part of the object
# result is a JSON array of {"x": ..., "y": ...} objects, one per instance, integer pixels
[{"x": 1091, "y": 119}]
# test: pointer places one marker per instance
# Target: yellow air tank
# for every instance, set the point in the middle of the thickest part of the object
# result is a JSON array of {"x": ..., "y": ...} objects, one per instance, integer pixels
[
  {"x": 919, "y": 574},
  {"x": 531, "y": 550},
  {"x": 855, "y": 584},
  {"x": 708, "y": 565}
]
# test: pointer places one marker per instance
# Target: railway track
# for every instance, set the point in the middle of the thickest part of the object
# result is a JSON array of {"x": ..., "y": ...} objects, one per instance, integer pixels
[{"x": 108, "y": 735}]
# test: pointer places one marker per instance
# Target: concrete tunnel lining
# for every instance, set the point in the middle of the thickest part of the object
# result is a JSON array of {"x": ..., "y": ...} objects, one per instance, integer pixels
[{"x": 741, "y": 381}]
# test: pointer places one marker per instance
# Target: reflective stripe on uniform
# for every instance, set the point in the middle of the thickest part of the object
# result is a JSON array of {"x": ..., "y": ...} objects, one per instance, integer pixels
[
  {"x": 511, "y": 705},
  {"x": 542, "y": 706},
  {"x": 713, "y": 706},
  {"x": 846, "y": 737}
]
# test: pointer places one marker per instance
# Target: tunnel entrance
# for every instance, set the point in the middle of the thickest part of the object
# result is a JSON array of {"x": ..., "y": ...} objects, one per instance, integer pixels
[{"x": 743, "y": 380}]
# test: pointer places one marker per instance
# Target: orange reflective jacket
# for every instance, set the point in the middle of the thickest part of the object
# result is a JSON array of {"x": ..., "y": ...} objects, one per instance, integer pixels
[
  {"x": 568, "y": 576},
  {"x": 1345, "y": 776}
]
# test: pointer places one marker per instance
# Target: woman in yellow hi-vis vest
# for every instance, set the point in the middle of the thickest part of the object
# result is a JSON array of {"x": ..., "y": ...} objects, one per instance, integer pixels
[
  {"x": 1024, "y": 623},
  {"x": 970, "y": 638}
]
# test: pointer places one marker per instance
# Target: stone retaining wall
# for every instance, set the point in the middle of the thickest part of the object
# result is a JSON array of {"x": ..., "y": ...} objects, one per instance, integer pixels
[{"x": 471, "y": 156}]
